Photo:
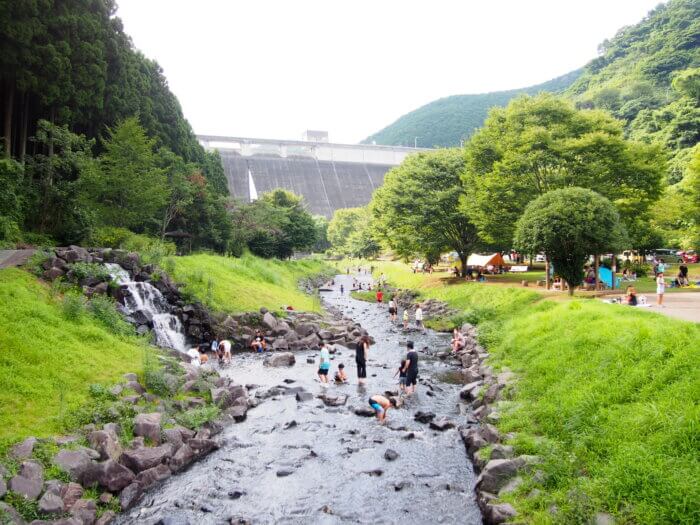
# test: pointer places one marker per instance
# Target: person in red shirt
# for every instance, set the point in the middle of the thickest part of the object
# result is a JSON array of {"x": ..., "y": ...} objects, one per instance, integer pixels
[{"x": 380, "y": 296}]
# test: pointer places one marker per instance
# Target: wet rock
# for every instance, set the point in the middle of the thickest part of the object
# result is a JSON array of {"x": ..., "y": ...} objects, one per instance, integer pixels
[
  {"x": 24, "y": 449},
  {"x": 70, "y": 494},
  {"x": 201, "y": 447},
  {"x": 442, "y": 424},
  {"x": 182, "y": 457},
  {"x": 363, "y": 411},
  {"x": 497, "y": 472},
  {"x": 113, "y": 476},
  {"x": 310, "y": 360},
  {"x": 238, "y": 413},
  {"x": 290, "y": 424},
  {"x": 470, "y": 391},
  {"x": 424, "y": 417},
  {"x": 304, "y": 396},
  {"x": 284, "y": 472},
  {"x": 376, "y": 472},
  {"x": 85, "y": 511},
  {"x": 147, "y": 457},
  {"x": 390, "y": 455},
  {"x": 281, "y": 359},
  {"x": 334, "y": 400},
  {"x": 498, "y": 513},
  {"x": 236, "y": 494},
  {"x": 472, "y": 439},
  {"x": 148, "y": 426},
  {"x": 51, "y": 503},
  {"x": 402, "y": 485},
  {"x": 105, "y": 444},
  {"x": 151, "y": 476},
  {"x": 130, "y": 496}
]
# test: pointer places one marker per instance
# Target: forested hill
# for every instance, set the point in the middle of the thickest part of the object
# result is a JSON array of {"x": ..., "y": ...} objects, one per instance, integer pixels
[
  {"x": 448, "y": 120},
  {"x": 648, "y": 75}
]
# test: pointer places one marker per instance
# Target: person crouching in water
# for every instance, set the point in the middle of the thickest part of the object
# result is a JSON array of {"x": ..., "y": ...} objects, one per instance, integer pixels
[
  {"x": 340, "y": 375},
  {"x": 380, "y": 404},
  {"x": 258, "y": 344}
]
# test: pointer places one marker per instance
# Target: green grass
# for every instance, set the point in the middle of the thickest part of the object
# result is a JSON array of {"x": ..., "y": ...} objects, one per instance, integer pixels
[
  {"x": 243, "y": 284},
  {"x": 609, "y": 398},
  {"x": 47, "y": 362}
]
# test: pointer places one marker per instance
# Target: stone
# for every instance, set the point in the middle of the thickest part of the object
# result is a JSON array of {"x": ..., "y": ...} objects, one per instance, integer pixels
[
  {"x": 281, "y": 359},
  {"x": 311, "y": 341},
  {"x": 3, "y": 487},
  {"x": 442, "y": 424},
  {"x": 221, "y": 397},
  {"x": 498, "y": 513},
  {"x": 497, "y": 472},
  {"x": 136, "y": 387},
  {"x": 390, "y": 455},
  {"x": 325, "y": 335},
  {"x": 32, "y": 470},
  {"x": 182, "y": 457},
  {"x": 106, "y": 518},
  {"x": 114, "y": 476},
  {"x": 85, "y": 511},
  {"x": 71, "y": 493},
  {"x": 105, "y": 443},
  {"x": 9, "y": 515},
  {"x": 173, "y": 436},
  {"x": 282, "y": 473},
  {"x": 269, "y": 321},
  {"x": 130, "y": 377},
  {"x": 502, "y": 452},
  {"x": 304, "y": 396},
  {"x": 202, "y": 446},
  {"x": 363, "y": 412},
  {"x": 105, "y": 498},
  {"x": 27, "y": 487},
  {"x": 280, "y": 344},
  {"x": 130, "y": 496},
  {"x": 470, "y": 391},
  {"x": 472, "y": 439},
  {"x": 334, "y": 400},
  {"x": 424, "y": 417},
  {"x": 151, "y": 476},
  {"x": 148, "y": 426},
  {"x": 238, "y": 413},
  {"x": 511, "y": 486},
  {"x": 305, "y": 329},
  {"x": 51, "y": 503},
  {"x": 148, "y": 457},
  {"x": 24, "y": 449}
]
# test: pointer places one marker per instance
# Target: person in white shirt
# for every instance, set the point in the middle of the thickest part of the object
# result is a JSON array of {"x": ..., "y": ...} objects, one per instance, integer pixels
[
  {"x": 225, "y": 348},
  {"x": 419, "y": 316},
  {"x": 325, "y": 364}
]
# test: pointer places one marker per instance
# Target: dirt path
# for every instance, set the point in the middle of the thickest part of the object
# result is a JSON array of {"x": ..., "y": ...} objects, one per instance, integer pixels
[
  {"x": 10, "y": 258},
  {"x": 680, "y": 305}
]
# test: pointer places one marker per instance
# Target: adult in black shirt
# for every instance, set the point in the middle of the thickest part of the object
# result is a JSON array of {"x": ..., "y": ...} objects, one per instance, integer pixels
[
  {"x": 411, "y": 368},
  {"x": 361, "y": 353}
]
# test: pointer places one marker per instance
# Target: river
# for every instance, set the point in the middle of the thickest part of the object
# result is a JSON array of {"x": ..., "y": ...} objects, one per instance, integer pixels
[{"x": 303, "y": 462}]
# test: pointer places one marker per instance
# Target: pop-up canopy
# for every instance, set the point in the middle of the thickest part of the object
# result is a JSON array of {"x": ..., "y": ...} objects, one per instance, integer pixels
[{"x": 495, "y": 259}]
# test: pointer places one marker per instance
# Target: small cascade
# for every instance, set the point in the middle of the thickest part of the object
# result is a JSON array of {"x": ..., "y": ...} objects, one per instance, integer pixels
[{"x": 146, "y": 300}]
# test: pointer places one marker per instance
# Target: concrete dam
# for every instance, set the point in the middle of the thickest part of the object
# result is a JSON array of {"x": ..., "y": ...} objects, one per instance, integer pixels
[{"x": 329, "y": 176}]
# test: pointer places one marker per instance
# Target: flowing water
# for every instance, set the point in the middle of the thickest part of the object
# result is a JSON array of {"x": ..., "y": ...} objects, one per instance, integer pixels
[
  {"x": 296, "y": 462},
  {"x": 146, "y": 298}
]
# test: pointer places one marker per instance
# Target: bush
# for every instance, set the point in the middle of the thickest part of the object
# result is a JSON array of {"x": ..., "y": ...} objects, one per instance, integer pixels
[
  {"x": 104, "y": 309},
  {"x": 73, "y": 306},
  {"x": 110, "y": 237},
  {"x": 39, "y": 240},
  {"x": 34, "y": 264},
  {"x": 152, "y": 250},
  {"x": 84, "y": 270},
  {"x": 9, "y": 230},
  {"x": 642, "y": 270},
  {"x": 196, "y": 417}
]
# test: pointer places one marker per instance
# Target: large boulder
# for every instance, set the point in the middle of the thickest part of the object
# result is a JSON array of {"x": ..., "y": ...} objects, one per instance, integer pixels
[
  {"x": 105, "y": 443},
  {"x": 51, "y": 503},
  {"x": 497, "y": 472},
  {"x": 305, "y": 329},
  {"x": 281, "y": 359},
  {"x": 27, "y": 487},
  {"x": 202, "y": 446},
  {"x": 311, "y": 341},
  {"x": 151, "y": 476},
  {"x": 148, "y": 426},
  {"x": 71, "y": 493},
  {"x": 269, "y": 321},
  {"x": 182, "y": 457},
  {"x": 24, "y": 449},
  {"x": 76, "y": 462},
  {"x": 221, "y": 397},
  {"x": 130, "y": 496},
  {"x": 85, "y": 511},
  {"x": 144, "y": 458},
  {"x": 280, "y": 343},
  {"x": 114, "y": 476}
]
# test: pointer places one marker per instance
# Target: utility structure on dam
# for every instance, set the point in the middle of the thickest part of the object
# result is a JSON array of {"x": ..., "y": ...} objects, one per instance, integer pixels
[{"x": 329, "y": 176}]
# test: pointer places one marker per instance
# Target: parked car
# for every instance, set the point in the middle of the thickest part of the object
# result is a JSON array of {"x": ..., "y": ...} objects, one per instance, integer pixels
[
  {"x": 667, "y": 254},
  {"x": 689, "y": 257},
  {"x": 540, "y": 257}
]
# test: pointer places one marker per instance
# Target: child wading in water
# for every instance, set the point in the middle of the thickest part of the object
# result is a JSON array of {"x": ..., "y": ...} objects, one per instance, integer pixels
[
  {"x": 380, "y": 404},
  {"x": 405, "y": 318},
  {"x": 324, "y": 365},
  {"x": 340, "y": 375},
  {"x": 402, "y": 375}
]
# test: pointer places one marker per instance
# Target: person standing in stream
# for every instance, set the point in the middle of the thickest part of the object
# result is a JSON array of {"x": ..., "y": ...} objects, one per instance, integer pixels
[
  {"x": 411, "y": 368},
  {"x": 324, "y": 365},
  {"x": 361, "y": 353}
]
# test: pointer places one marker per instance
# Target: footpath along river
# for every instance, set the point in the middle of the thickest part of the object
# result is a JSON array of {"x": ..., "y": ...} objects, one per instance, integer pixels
[{"x": 303, "y": 462}]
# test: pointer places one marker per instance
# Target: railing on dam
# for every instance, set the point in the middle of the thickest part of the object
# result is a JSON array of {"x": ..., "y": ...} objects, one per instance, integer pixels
[{"x": 320, "y": 151}]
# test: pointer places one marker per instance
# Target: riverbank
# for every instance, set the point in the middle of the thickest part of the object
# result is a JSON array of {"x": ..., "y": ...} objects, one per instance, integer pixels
[{"x": 607, "y": 397}]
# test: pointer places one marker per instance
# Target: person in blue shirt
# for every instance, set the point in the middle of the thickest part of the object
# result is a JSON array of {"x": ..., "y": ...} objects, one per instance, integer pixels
[{"x": 325, "y": 364}]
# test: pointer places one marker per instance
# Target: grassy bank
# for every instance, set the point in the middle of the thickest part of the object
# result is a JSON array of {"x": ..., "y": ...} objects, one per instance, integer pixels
[
  {"x": 609, "y": 397},
  {"x": 243, "y": 284},
  {"x": 48, "y": 360}
]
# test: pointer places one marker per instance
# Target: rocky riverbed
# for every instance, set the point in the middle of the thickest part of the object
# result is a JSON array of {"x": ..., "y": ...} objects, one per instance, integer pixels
[{"x": 309, "y": 454}]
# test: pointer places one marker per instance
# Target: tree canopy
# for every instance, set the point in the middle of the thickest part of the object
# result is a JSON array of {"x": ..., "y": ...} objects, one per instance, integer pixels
[
  {"x": 350, "y": 233},
  {"x": 569, "y": 225}
]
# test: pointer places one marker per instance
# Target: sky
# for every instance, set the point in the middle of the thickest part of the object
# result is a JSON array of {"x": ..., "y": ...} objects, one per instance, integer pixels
[{"x": 274, "y": 68}]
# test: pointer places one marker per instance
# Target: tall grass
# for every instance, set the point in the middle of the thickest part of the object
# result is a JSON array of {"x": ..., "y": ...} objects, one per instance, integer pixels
[{"x": 243, "y": 284}]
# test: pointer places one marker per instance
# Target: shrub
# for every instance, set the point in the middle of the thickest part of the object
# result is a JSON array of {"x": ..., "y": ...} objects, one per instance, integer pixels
[
  {"x": 84, "y": 270},
  {"x": 196, "y": 417},
  {"x": 34, "y": 264},
  {"x": 73, "y": 306},
  {"x": 110, "y": 237},
  {"x": 40, "y": 240},
  {"x": 104, "y": 309},
  {"x": 9, "y": 230},
  {"x": 151, "y": 250}
]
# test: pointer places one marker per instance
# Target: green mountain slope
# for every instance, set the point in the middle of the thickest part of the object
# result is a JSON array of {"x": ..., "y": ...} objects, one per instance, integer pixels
[
  {"x": 448, "y": 120},
  {"x": 647, "y": 75}
]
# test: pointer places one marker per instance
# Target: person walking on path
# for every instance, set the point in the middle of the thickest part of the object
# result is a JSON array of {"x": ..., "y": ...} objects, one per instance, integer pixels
[
  {"x": 361, "y": 353},
  {"x": 381, "y": 404},
  {"x": 405, "y": 319},
  {"x": 325, "y": 364},
  {"x": 411, "y": 368},
  {"x": 392, "y": 309},
  {"x": 419, "y": 316},
  {"x": 660, "y": 289}
]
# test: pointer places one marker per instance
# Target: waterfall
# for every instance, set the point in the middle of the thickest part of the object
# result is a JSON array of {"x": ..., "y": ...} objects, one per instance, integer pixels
[{"x": 147, "y": 299}]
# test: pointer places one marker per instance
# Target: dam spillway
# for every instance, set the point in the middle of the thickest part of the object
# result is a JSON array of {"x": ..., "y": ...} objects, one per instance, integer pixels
[{"x": 328, "y": 176}]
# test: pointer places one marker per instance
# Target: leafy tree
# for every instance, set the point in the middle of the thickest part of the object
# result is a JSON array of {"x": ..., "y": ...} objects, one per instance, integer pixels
[
  {"x": 182, "y": 188},
  {"x": 568, "y": 225},
  {"x": 322, "y": 243},
  {"x": 350, "y": 233},
  {"x": 418, "y": 210},
  {"x": 128, "y": 189},
  {"x": 542, "y": 143},
  {"x": 299, "y": 228}
]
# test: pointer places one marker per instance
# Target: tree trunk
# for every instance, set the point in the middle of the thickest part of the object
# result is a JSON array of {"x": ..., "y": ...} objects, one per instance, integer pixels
[
  {"x": 7, "y": 121},
  {"x": 571, "y": 288},
  {"x": 596, "y": 262},
  {"x": 23, "y": 128},
  {"x": 546, "y": 273},
  {"x": 463, "y": 260}
]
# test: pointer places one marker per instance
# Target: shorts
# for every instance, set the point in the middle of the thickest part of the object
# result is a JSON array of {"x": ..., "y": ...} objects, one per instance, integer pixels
[
  {"x": 376, "y": 406},
  {"x": 411, "y": 378},
  {"x": 323, "y": 371},
  {"x": 660, "y": 290},
  {"x": 392, "y": 311},
  {"x": 402, "y": 380}
]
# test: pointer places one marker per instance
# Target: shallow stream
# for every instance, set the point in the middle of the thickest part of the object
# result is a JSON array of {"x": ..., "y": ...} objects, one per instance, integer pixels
[{"x": 303, "y": 462}]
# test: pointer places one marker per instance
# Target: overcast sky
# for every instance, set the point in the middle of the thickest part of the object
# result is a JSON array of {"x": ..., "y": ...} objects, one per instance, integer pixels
[{"x": 271, "y": 69}]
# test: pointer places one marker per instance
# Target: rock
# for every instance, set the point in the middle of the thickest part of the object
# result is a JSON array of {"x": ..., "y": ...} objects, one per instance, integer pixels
[
  {"x": 32, "y": 470},
  {"x": 70, "y": 494},
  {"x": 221, "y": 397},
  {"x": 304, "y": 396},
  {"x": 130, "y": 496},
  {"x": 114, "y": 476},
  {"x": 269, "y": 321},
  {"x": 424, "y": 417},
  {"x": 282, "y": 473},
  {"x": 105, "y": 444},
  {"x": 310, "y": 360},
  {"x": 85, "y": 511},
  {"x": 305, "y": 329},
  {"x": 9, "y": 515},
  {"x": 148, "y": 457},
  {"x": 148, "y": 426},
  {"x": 24, "y": 449},
  {"x": 499, "y": 513},
  {"x": 3, "y": 487},
  {"x": 502, "y": 452},
  {"x": 238, "y": 413},
  {"x": 442, "y": 424},
  {"x": 27, "y": 487},
  {"x": 106, "y": 518},
  {"x": 173, "y": 436},
  {"x": 280, "y": 344},
  {"x": 390, "y": 455},
  {"x": 51, "y": 503},
  {"x": 151, "y": 476},
  {"x": 603, "y": 518},
  {"x": 376, "y": 472},
  {"x": 105, "y": 498},
  {"x": 281, "y": 359},
  {"x": 325, "y": 335},
  {"x": 363, "y": 412},
  {"x": 202, "y": 446},
  {"x": 470, "y": 391},
  {"x": 472, "y": 439},
  {"x": 130, "y": 377},
  {"x": 511, "y": 486},
  {"x": 497, "y": 472},
  {"x": 182, "y": 457},
  {"x": 333, "y": 400},
  {"x": 311, "y": 341}
]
